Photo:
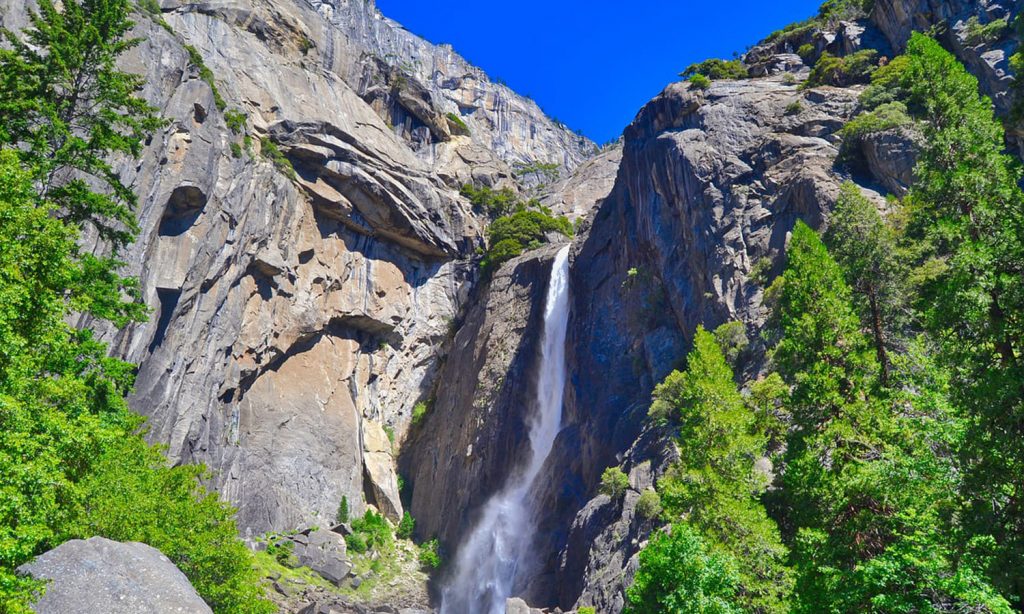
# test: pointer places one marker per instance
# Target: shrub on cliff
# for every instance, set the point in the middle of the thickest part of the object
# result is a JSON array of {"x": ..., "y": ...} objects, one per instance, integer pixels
[
  {"x": 525, "y": 229},
  {"x": 430, "y": 554},
  {"x": 406, "y": 526},
  {"x": 370, "y": 532},
  {"x": 716, "y": 69},
  {"x": 494, "y": 203},
  {"x": 699, "y": 81},
  {"x": 614, "y": 482},
  {"x": 842, "y": 71}
]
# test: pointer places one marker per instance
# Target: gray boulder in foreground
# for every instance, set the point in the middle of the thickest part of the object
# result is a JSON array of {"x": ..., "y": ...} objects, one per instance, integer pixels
[{"x": 100, "y": 575}]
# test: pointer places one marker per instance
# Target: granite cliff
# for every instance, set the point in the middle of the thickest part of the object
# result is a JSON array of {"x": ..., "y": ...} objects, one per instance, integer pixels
[{"x": 311, "y": 264}]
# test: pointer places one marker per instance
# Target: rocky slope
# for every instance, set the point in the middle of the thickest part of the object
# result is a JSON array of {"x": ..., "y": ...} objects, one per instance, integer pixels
[{"x": 310, "y": 262}]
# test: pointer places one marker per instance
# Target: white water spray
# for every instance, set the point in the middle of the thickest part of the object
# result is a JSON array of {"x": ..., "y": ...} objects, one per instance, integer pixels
[{"x": 489, "y": 559}]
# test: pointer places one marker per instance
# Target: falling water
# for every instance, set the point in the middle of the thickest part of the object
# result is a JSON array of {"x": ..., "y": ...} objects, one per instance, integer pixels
[{"x": 489, "y": 559}]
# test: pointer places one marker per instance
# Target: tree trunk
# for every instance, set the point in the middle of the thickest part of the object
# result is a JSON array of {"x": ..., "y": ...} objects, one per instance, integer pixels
[{"x": 876, "y": 326}]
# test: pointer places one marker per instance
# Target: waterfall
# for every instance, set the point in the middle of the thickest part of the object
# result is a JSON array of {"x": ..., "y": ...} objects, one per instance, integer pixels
[{"x": 486, "y": 567}]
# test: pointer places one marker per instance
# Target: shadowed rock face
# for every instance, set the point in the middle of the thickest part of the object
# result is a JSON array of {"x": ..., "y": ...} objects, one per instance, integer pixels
[
  {"x": 711, "y": 183},
  {"x": 100, "y": 575}
]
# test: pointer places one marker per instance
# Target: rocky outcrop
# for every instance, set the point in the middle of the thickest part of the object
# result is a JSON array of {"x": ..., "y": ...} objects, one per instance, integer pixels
[
  {"x": 601, "y": 552},
  {"x": 485, "y": 391},
  {"x": 890, "y": 157},
  {"x": 577, "y": 195},
  {"x": 100, "y": 575}
]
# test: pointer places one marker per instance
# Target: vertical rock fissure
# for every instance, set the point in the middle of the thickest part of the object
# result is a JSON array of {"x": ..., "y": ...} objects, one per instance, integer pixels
[{"x": 493, "y": 557}]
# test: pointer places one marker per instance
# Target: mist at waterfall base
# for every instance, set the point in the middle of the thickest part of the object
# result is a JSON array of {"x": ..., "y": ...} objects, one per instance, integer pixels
[{"x": 490, "y": 559}]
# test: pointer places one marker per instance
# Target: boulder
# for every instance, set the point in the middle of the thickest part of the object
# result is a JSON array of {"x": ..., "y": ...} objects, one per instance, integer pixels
[
  {"x": 324, "y": 552},
  {"x": 100, "y": 575},
  {"x": 516, "y": 605}
]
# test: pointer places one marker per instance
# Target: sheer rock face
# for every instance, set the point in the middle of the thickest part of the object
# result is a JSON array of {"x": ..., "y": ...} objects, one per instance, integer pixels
[
  {"x": 577, "y": 195},
  {"x": 100, "y": 575},
  {"x": 385, "y": 58}
]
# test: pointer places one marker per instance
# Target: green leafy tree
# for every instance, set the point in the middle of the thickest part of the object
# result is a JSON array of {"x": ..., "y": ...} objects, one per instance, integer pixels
[
  {"x": 67, "y": 108},
  {"x": 967, "y": 221},
  {"x": 679, "y": 574},
  {"x": 842, "y": 71},
  {"x": 430, "y": 555},
  {"x": 866, "y": 249},
  {"x": 716, "y": 69},
  {"x": 614, "y": 482},
  {"x": 525, "y": 229},
  {"x": 821, "y": 337},
  {"x": 72, "y": 462},
  {"x": 495, "y": 203}
]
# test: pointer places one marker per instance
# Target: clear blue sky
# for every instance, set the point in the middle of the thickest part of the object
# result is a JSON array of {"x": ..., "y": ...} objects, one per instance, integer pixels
[{"x": 593, "y": 64}]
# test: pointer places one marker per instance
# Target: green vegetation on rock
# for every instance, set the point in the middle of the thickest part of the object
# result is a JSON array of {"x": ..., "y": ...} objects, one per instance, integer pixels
[
  {"x": 495, "y": 203},
  {"x": 842, "y": 71},
  {"x": 458, "y": 122},
  {"x": 270, "y": 151},
  {"x": 716, "y": 69},
  {"x": 977, "y": 33},
  {"x": 430, "y": 554},
  {"x": 419, "y": 412},
  {"x": 196, "y": 59},
  {"x": 370, "y": 532},
  {"x": 528, "y": 227},
  {"x": 699, "y": 81}
]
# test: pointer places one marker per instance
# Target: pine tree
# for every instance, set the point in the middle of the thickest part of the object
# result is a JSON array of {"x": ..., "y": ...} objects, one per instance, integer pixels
[
  {"x": 866, "y": 249},
  {"x": 69, "y": 110},
  {"x": 868, "y": 491},
  {"x": 820, "y": 334},
  {"x": 967, "y": 219},
  {"x": 715, "y": 485},
  {"x": 679, "y": 574}
]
